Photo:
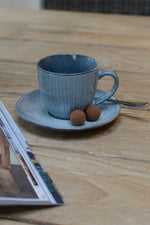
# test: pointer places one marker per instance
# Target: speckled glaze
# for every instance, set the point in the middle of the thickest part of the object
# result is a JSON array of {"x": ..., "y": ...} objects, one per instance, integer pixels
[
  {"x": 30, "y": 108},
  {"x": 68, "y": 82}
]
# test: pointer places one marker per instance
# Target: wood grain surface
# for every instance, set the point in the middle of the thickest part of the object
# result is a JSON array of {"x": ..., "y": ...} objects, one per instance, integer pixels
[
  {"x": 103, "y": 174},
  {"x": 7, "y": 221}
]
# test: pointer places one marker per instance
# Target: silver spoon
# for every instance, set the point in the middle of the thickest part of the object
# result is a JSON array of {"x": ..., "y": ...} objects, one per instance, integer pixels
[
  {"x": 128, "y": 103},
  {"x": 136, "y": 108}
]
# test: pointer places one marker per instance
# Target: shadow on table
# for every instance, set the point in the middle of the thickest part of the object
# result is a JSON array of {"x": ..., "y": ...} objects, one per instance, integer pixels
[
  {"x": 11, "y": 213},
  {"x": 48, "y": 132}
]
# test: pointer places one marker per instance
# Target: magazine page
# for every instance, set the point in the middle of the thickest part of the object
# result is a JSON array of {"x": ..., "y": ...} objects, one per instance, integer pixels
[{"x": 23, "y": 181}]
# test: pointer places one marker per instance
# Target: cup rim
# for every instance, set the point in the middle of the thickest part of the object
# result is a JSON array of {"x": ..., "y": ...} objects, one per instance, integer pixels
[{"x": 67, "y": 74}]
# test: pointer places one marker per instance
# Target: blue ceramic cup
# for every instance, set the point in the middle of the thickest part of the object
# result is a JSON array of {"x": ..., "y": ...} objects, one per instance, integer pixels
[{"x": 68, "y": 82}]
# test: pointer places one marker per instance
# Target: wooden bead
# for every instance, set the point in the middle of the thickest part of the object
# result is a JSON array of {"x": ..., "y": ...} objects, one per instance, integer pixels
[
  {"x": 93, "y": 113},
  {"x": 77, "y": 117}
]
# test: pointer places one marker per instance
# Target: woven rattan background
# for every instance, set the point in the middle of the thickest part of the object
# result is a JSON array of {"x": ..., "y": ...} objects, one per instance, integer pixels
[{"x": 134, "y": 7}]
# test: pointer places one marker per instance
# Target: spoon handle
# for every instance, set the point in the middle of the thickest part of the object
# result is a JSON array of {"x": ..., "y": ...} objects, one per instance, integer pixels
[
  {"x": 135, "y": 108},
  {"x": 127, "y": 103}
]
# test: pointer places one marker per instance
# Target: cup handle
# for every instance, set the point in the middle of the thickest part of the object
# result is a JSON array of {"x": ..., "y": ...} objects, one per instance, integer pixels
[{"x": 106, "y": 96}]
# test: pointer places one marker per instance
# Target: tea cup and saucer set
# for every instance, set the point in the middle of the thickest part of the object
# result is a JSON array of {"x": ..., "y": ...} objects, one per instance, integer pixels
[{"x": 68, "y": 82}]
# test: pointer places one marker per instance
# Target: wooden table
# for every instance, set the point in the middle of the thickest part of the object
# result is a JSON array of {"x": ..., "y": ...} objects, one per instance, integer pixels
[{"x": 102, "y": 174}]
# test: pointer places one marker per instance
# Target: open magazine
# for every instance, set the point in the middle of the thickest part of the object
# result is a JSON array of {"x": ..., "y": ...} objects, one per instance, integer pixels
[{"x": 23, "y": 181}]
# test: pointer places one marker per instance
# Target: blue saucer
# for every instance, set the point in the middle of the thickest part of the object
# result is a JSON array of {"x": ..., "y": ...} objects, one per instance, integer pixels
[{"x": 31, "y": 109}]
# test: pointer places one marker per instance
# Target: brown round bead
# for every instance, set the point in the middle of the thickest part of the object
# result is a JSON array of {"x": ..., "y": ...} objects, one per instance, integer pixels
[
  {"x": 77, "y": 117},
  {"x": 93, "y": 113}
]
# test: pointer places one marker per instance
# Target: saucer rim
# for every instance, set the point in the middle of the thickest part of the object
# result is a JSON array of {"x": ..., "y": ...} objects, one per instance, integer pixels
[{"x": 74, "y": 128}]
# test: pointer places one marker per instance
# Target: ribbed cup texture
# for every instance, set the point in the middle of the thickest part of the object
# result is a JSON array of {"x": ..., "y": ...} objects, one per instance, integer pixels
[{"x": 62, "y": 94}]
